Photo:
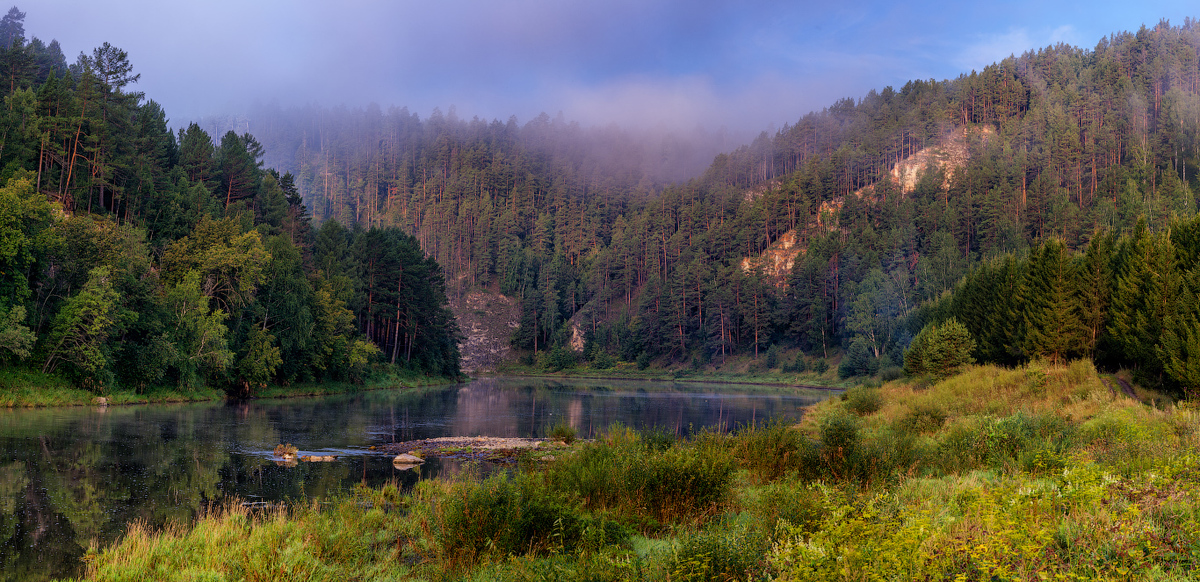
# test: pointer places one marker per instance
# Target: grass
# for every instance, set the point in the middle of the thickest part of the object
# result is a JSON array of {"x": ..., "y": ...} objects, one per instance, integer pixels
[
  {"x": 737, "y": 370},
  {"x": 31, "y": 388},
  {"x": 1034, "y": 473}
]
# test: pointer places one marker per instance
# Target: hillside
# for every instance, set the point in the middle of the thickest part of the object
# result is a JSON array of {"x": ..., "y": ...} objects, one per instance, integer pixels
[{"x": 581, "y": 224}]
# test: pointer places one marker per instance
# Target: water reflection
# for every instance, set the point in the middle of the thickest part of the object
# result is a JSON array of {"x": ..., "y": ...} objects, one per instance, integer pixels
[{"x": 76, "y": 476}]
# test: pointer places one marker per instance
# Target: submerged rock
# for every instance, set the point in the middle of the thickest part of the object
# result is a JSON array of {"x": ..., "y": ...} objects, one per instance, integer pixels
[
  {"x": 407, "y": 459},
  {"x": 319, "y": 458}
]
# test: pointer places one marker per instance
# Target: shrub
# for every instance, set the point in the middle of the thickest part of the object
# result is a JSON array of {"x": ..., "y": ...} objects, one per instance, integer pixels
[
  {"x": 602, "y": 360},
  {"x": 657, "y": 439},
  {"x": 860, "y": 360},
  {"x": 800, "y": 505},
  {"x": 820, "y": 366},
  {"x": 773, "y": 450},
  {"x": 722, "y": 552},
  {"x": 563, "y": 432},
  {"x": 891, "y": 373},
  {"x": 923, "y": 418},
  {"x": 506, "y": 516},
  {"x": 643, "y": 360},
  {"x": 840, "y": 441},
  {"x": 772, "y": 359},
  {"x": 939, "y": 350},
  {"x": 620, "y": 472},
  {"x": 863, "y": 400},
  {"x": 801, "y": 364}
]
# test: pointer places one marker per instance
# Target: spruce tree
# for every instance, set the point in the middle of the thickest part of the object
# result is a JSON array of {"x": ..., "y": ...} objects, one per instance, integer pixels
[{"x": 1052, "y": 314}]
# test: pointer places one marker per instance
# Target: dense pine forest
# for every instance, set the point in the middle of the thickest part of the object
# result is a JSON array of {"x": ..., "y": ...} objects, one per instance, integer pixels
[
  {"x": 134, "y": 257},
  {"x": 1065, "y": 230},
  {"x": 1066, "y": 149}
]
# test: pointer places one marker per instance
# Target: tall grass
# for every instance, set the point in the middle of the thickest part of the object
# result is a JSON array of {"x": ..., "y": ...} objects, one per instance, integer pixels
[
  {"x": 622, "y": 473},
  {"x": 1037, "y": 473}
]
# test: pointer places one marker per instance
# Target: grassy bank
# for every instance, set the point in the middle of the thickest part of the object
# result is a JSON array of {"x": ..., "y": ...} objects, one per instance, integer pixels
[
  {"x": 1036, "y": 473},
  {"x": 740, "y": 370},
  {"x": 31, "y": 388}
]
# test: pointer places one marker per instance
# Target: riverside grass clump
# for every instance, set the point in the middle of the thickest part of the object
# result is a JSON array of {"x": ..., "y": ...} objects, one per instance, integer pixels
[{"x": 1033, "y": 473}]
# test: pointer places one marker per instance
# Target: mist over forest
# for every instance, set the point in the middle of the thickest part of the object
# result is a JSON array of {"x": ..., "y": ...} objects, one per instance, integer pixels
[{"x": 838, "y": 237}]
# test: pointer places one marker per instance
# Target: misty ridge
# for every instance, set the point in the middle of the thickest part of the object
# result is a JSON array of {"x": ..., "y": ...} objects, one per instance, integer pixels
[{"x": 643, "y": 157}]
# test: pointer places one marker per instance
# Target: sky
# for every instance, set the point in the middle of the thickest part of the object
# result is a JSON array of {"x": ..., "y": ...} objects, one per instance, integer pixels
[{"x": 745, "y": 66}]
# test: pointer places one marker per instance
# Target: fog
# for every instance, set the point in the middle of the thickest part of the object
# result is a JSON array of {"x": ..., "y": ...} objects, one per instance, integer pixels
[{"x": 733, "y": 68}]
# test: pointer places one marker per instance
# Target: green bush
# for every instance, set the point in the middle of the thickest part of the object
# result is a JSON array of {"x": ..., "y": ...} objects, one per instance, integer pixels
[
  {"x": 563, "y": 432},
  {"x": 863, "y": 400},
  {"x": 602, "y": 360},
  {"x": 657, "y": 439},
  {"x": 840, "y": 440},
  {"x": 800, "y": 505},
  {"x": 891, "y": 373},
  {"x": 801, "y": 365},
  {"x": 620, "y": 472},
  {"x": 772, "y": 359},
  {"x": 924, "y": 418},
  {"x": 820, "y": 366},
  {"x": 722, "y": 552},
  {"x": 773, "y": 450},
  {"x": 505, "y": 516},
  {"x": 939, "y": 350},
  {"x": 643, "y": 360}
]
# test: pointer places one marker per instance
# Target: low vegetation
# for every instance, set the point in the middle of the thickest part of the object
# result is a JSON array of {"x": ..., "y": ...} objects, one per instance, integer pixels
[{"x": 1034, "y": 473}]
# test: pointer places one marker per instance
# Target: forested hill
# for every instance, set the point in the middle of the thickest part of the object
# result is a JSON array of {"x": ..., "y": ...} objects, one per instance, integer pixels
[
  {"x": 1061, "y": 143},
  {"x": 132, "y": 257}
]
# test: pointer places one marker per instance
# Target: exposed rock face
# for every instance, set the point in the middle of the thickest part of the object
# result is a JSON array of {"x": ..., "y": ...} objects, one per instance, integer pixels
[
  {"x": 947, "y": 155},
  {"x": 487, "y": 321}
]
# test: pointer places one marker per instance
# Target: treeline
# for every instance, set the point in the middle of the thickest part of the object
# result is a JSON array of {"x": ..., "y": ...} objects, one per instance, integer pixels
[
  {"x": 135, "y": 257},
  {"x": 1061, "y": 142},
  {"x": 1123, "y": 302}
]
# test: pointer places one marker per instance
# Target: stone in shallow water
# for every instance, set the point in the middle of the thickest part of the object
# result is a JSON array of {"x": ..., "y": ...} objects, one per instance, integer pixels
[{"x": 406, "y": 461}]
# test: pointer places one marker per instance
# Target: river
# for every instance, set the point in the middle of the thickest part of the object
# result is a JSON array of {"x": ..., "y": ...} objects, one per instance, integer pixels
[{"x": 70, "y": 477}]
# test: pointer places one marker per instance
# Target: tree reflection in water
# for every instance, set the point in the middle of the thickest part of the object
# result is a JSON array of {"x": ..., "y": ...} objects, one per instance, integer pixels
[{"x": 76, "y": 476}]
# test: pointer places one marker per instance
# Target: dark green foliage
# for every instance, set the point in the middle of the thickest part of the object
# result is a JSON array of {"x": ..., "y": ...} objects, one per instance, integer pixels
[
  {"x": 924, "y": 418},
  {"x": 513, "y": 516},
  {"x": 863, "y": 400},
  {"x": 669, "y": 485},
  {"x": 939, "y": 350},
  {"x": 773, "y": 450},
  {"x": 174, "y": 261},
  {"x": 772, "y": 359},
  {"x": 723, "y": 551},
  {"x": 801, "y": 364},
  {"x": 841, "y": 443},
  {"x": 1066, "y": 148},
  {"x": 1052, "y": 314},
  {"x": 564, "y": 432}
]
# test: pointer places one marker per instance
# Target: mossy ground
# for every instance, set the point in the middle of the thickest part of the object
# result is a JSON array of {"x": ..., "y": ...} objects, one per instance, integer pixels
[{"x": 1033, "y": 473}]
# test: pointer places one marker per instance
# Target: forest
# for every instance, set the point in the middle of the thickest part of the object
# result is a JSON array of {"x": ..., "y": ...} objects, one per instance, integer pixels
[
  {"x": 134, "y": 257},
  {"x": 1068, "y": 148},
  {"x": 1072, "y": 210}
]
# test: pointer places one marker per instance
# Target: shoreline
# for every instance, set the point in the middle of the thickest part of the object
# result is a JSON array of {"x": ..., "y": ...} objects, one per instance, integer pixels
[
  {"x": 30, "y": 389},
  {"x": 723, "y": 379},
  {"x": 25, "y": 389}
]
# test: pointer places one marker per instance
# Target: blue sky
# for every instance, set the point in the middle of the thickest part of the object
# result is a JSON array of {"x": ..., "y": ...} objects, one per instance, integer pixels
[{"x": 748, "y": 66}]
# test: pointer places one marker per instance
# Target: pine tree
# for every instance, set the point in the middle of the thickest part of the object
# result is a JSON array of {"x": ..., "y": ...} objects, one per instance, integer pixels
[{"x": 1054, "y": 327}]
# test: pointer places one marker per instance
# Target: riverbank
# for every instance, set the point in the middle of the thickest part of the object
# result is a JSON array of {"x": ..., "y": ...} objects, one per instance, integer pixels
[
  {"x": 1039, "y": 472},
  {"x": 23, "y": 388},
  {"x": 630, "y": 371}
]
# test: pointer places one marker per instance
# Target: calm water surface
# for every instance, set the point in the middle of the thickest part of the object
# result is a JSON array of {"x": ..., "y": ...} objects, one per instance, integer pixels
[{"x": 70, "y": 477}]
